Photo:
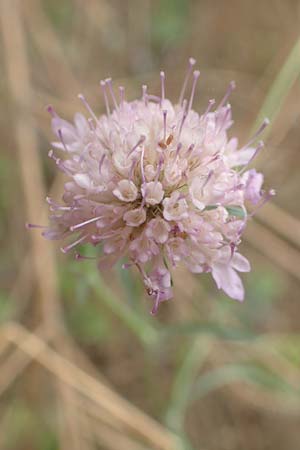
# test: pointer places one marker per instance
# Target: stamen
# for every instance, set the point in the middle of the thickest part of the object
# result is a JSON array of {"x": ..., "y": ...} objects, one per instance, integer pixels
[
  {"x": 79, "y": 257},
  {"x": 256, "y": 152},
  {"x": 64, "y": 208},
  {"x": 165, "y": 124},
  {"x": 51, "y": 111},
  {"x": 126, "y": 266},
  {"x": 55, "y": 206},
  {"x": 196, "y": 75},
  {"x": 146, "y": 280},
  {"x": 190, "y": 149},
  {"x": 179, "y": 146},
  {"x": 33, "y": 225},
  {"x": 101, "y": 162},
  {"x": 97, "y": 238},
  {"x": 142, "y": 165},
  {"x": 265, "y": 123},
  {"x": 108, "y": 81},
  {"x": 62, "y": 140},
  {"x": 140, "y": 141},
  {"x": 224, "y": 119},
  {"x": 232, "y": 246},
  {"x": 268, "y": 195},
  {"x": 210, "y": 174},
  {"x": 84, "y": 101},
  {"x": 122, "y": 95},
  {"x": 156, "y": 303},
  {"x": 162, "y": 82},
  {"x": 69, "y": 247},
  {"x": 230, "y": 88},
  {"x": 91, "y": 124},
  {"x": 132, "y": 169},
  {"x": 159, "y": 167},
  {"x": 103, "y": 87},
  {"x": 52, "y": 156},
  {"x": 211, "y": 102},
  {"x": 86, "y": 222},
  {"x": 145, "y": 95},
  {"x": 192, "y": 62},
  {"x": 183, "y": 117},
  {"x": 154, "y": 98},
  {"x": 59, "y": 163}
]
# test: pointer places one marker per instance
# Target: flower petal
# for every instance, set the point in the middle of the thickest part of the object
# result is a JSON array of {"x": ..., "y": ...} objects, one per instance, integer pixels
[{"x": 228, "y": 280}]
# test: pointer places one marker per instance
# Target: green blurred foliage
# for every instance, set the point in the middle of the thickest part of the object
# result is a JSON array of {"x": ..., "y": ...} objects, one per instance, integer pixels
[
  {"x": 6, "y": 307},
  {"x": 169, "y": 23},
  {"x": 28, "y": 427},
  {"x": 86, "y": 319},
  {"x": 60, "y": 13},
  {"x": 289, "y": 347}
]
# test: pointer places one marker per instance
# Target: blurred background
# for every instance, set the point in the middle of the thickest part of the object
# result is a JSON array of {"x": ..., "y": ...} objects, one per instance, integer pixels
[{"x": 82, "y": 363}]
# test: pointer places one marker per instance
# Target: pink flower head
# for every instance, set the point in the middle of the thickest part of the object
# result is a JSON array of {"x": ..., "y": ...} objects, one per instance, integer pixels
[{"x": 157, "y": 183}]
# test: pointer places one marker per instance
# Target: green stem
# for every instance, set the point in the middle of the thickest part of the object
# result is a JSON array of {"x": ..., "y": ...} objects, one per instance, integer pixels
[
  {"x": 184, "y": 380},
  {"x": 280, "y": 88},
  {"x": 146, "y": 332}
]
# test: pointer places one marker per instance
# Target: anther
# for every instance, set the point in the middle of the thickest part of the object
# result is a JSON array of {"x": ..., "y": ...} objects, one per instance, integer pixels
[
  {"x": 169, "y": 139},
  {"x": 162, "y": 145}
]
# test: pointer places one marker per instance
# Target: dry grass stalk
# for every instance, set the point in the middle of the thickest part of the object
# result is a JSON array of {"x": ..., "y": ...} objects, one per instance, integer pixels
[
  {"x": 51, "y": 51},
  {"x": 21, "y": 92},
  {"x": 280, "y": 221},
  {"x": 274, "y": 248},
  {"x": 91, "y": 388},
  {"x": 16, "y": 362},
  {"x": 114, "y": 440},
  {"x": 43, "y": 254}
]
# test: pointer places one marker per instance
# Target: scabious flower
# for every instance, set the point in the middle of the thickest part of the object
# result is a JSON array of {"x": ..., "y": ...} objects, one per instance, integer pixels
[{"x": 158, "y": 184}]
